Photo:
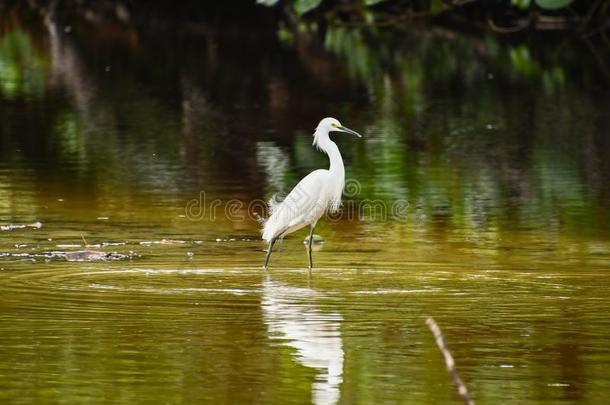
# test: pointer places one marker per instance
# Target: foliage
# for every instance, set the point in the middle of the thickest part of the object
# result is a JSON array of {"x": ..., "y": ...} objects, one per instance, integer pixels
[
  {"x": 300, "y": 6},
  {"x": 303, "y": 6},
  {"x": 544, "y": 4},
  {"x": 21, "y": 69},
  {"x": 433, "y": 6},
  {"x": 553, "y": 4}
]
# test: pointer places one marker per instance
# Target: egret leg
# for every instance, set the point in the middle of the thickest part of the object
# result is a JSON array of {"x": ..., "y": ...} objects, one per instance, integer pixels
[
  {"x": 269, "y": 253},
  {"x": 312, "y": 227}
]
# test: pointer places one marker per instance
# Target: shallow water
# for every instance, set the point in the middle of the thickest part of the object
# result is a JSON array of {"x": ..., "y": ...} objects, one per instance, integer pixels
[{"x": 479, "y": 196}]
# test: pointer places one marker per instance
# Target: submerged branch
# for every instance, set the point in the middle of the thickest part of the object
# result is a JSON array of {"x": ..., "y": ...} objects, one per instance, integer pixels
[{"x": 449, "y": 362}]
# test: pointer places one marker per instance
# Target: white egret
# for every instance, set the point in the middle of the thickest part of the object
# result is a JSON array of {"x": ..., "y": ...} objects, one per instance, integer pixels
[{"x": 318, "y": 192}]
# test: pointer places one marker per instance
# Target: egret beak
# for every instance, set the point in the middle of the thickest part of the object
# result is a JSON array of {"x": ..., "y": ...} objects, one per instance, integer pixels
[{"x": 348, "y": 131}]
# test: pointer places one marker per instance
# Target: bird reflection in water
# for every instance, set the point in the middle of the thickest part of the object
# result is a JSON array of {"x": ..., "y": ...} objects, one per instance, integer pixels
[{"x": 291, "y": 315}]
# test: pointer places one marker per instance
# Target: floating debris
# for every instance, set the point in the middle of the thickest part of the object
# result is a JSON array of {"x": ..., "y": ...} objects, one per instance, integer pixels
[
  {"x": 162, "y": 242},
  {"x": 52, "y": 255},
  {"x": 95, "y": 255},
  {"x": 227, "y": 239},
  {"x": 103, "y": 218},
  {"x": 104, "y": 244},
  {"x": 76, "y": 256},
  {"x": 86, "y": 256},
  {"x": 10, "y": 227}
]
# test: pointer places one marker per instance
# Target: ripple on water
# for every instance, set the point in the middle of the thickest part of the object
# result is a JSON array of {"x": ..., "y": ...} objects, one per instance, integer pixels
[
  {"x": 172, "y": 291},
  {"x": 95, "y": 290},
  {"x": 71, "y": 256},
  {"x": 397, "y": 291}
]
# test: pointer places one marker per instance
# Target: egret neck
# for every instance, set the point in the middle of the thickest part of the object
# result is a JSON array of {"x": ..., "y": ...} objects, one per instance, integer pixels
[
  {"x": 324, "y": 143},
  {"x": 336, "y": 170}
]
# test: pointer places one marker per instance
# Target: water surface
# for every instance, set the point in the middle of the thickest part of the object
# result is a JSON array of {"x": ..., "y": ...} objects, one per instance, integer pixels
[{"x": 479, "y": 196}]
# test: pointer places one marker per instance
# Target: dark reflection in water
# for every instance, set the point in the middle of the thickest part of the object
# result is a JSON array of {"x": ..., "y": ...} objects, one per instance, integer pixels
[
  {"x": 454, "y": 125},
  {"x": 482, "y": 199}
]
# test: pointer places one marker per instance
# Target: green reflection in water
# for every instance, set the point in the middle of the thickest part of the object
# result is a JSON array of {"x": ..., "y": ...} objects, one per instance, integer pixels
[
  {"x": 477, "y": 157},
  {"x": 22, "y": 70}
]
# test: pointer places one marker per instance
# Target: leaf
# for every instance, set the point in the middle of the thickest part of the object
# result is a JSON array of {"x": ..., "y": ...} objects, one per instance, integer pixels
[
  {"x": 268, "y": 3},
  {"x": 436, "y": 6},
  {"x": 303, "y": 6},
  {"x": 522, "y": 4},
  {"x": 372, "y": 2},
  {"x": 553, "y": 4}
]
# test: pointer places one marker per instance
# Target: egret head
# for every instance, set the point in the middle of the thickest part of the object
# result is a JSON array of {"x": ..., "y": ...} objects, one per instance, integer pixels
[{"x": 331, "y": 124}]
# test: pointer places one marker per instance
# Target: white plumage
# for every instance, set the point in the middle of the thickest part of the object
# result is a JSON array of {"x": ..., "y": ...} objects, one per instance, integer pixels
[{"x": 318, "y": 192}]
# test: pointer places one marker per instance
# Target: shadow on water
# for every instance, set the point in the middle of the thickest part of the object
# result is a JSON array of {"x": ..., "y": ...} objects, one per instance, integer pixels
[{"x": 480, "y": 196}]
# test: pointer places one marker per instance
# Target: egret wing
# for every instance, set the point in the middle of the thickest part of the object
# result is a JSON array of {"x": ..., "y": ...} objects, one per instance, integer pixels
[{"x": 304, "y": 205}]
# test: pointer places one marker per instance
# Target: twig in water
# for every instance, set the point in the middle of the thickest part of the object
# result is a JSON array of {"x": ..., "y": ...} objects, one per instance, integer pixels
[{"x": 449, "y": 362}]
